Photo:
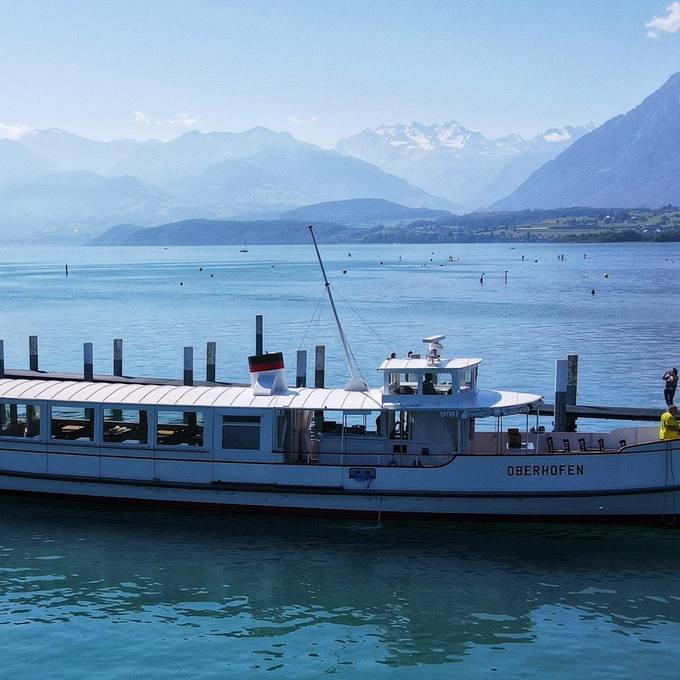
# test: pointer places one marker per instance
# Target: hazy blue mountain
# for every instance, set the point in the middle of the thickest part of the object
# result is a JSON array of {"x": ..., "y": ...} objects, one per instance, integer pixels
[
  {"x": 362, "y": 211},
  {"x": 73, "y": 152},
  {"x": 632, "y": 160},
  {"x": 261, "y": 167},
  {"x": 74, "y": 203},
  {"x": 257, "y": 173},
  {"x": 193, "y": 152},
  {"x": 115, "y": 236},
  {"x": 451, "y": 161},
  {"x": 17, "y": 163},
  {"x": 219, "y": 232}
]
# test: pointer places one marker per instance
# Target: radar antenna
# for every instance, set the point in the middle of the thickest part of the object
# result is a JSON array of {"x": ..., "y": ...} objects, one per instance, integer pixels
[{"x": 356, "y": 383}]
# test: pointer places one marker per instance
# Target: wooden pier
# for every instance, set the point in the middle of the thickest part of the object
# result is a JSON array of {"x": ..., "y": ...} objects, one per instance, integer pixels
[
  {"x": 565, "y": 411},
  {"x": 605, "y": 412}
]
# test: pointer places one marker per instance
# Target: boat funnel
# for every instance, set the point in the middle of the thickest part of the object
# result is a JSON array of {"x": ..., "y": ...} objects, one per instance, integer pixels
[{"x": 267, "y": 374}]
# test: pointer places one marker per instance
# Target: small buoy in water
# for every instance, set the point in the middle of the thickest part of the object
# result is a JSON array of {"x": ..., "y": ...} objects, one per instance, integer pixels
[
  {"x": 344, "y": 271},
  {"x": 211, "y": 275},
  {"x": 66, "y": 266},
  {"x": 200, "y": 269},
  {"x": 481, "y": 278},
  {"x": 181, "y": 283},
  {"x": 349, "y": 254},
  {"x": 381, "y": 263},
  {"x": 606, "y": 275},
  {"x": 592, "y": 292}
]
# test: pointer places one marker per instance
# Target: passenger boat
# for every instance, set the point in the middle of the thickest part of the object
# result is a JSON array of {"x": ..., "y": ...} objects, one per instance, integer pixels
[{"x": 411, "y": 447}]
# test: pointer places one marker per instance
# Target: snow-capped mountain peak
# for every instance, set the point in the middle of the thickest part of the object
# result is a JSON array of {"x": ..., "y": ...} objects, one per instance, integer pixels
[{"x": 459, "y": 162}]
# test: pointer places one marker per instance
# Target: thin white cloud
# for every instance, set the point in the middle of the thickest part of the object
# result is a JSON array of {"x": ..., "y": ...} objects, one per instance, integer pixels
[
  {"x": 141, "y": 118},
  {"x": 180, "y": 119},
  {"x": 184, "y": 120},
  {"x": 13, "y": 131},
  {"x": 667, "y": 24},
  {"x": 298, "y": 120},
  {"x": 557, "y": 136}
]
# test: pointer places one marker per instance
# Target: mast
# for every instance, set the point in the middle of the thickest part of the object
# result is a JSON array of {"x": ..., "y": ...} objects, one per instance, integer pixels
[{"x": 356, "y": 383}]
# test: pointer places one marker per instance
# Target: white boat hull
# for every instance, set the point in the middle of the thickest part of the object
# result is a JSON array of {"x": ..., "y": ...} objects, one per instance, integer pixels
[{"x": 579, "y": 496}]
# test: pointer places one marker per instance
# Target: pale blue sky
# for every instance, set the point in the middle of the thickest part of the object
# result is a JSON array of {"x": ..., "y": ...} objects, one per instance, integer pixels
[{"x": 323, "y": 70}]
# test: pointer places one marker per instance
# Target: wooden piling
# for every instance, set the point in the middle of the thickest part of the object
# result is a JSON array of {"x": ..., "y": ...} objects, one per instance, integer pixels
[
  {"x": 572, "y": 385},
  {"x": 301, "y": 373},
  {"x": 320, "y": 366},
  {"x": 319, "y": 381},
  {"x": 88, "y": 361},
  {"x": 560, "y": 396},
  {"x": 33, "y": 352},
  {"x": 118, "y": 356},
  {"x": 188, "y": 365},
  {"x": 2, "y": 358},
  {"x": 259, "y": 340},
  {"x": 210, "y": 362}
]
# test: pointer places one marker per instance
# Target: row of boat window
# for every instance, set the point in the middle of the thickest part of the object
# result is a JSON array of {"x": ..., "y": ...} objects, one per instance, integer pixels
[{"x": 126, "y": 426}]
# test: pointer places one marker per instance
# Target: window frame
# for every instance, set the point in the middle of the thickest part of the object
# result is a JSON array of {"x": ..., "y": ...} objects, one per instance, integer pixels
[
  {"x": 248, "y": 421},
  {"x": 40, "y": 405},
  {"x": 154, "y": 414},
  {"x": 96, "y": 436},
  {"x": 150, "y": 429}
]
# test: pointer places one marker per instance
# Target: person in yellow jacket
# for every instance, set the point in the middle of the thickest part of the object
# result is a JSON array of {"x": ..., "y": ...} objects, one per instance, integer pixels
[{"x": 669, "y": 427}]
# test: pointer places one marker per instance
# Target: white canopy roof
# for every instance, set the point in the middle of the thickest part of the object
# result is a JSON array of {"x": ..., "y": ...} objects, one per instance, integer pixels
[
  {"x": 238, "y": 396},
  {"x": 421, "y": 364}
]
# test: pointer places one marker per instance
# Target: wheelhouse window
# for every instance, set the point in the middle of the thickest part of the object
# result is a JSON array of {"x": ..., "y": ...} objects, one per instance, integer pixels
[
  {"x": 403, "y": 383},
  {"x": 180, "y": 428},
  {"x": 126, "y": 426},
  {"x": 19, "y": 420},
  {"x": 467, "y": 379},
  {"x": 437, "y": 384},
  {"x": 241, "y": 432},
  {"x": 72, "y": 423}
]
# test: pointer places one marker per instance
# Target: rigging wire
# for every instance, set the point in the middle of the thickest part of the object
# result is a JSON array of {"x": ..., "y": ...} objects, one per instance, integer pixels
[
  {"x": 363, "y": 320},
  {"x": 317, "y": 308}
]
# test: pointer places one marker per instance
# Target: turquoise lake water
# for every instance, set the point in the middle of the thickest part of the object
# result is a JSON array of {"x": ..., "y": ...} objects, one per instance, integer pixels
[{"x": 99, "y": 591}]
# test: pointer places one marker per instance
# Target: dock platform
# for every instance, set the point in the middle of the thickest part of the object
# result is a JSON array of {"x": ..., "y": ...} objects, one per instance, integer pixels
[{"x": 606, "y": 412}]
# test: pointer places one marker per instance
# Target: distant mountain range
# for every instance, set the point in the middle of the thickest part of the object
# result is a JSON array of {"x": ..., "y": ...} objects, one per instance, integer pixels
[
  {"x": 221, "y": 232},
  {"x": 363, "y": 211},
  {"x": 55, "y": 182},
  {"x": 459, "y": 164},
  {"x": 55, "y": 185},
  {"x": 336, "y": 220},
  {"x": 633, "y": 160}
]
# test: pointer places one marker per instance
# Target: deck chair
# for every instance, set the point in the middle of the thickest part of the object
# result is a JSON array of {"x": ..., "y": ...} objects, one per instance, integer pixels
[
  {"x": 514, "y": 438},
  {"x": 550, "y": 444},
  {"x": 600, "y": 443},
  {"x": 582, "y": 445},
  {"x": 567, "y": 445}
]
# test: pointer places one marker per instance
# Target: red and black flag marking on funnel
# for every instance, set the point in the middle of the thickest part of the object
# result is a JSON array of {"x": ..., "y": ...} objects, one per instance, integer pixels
[{"x": 265, "y": 362}]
